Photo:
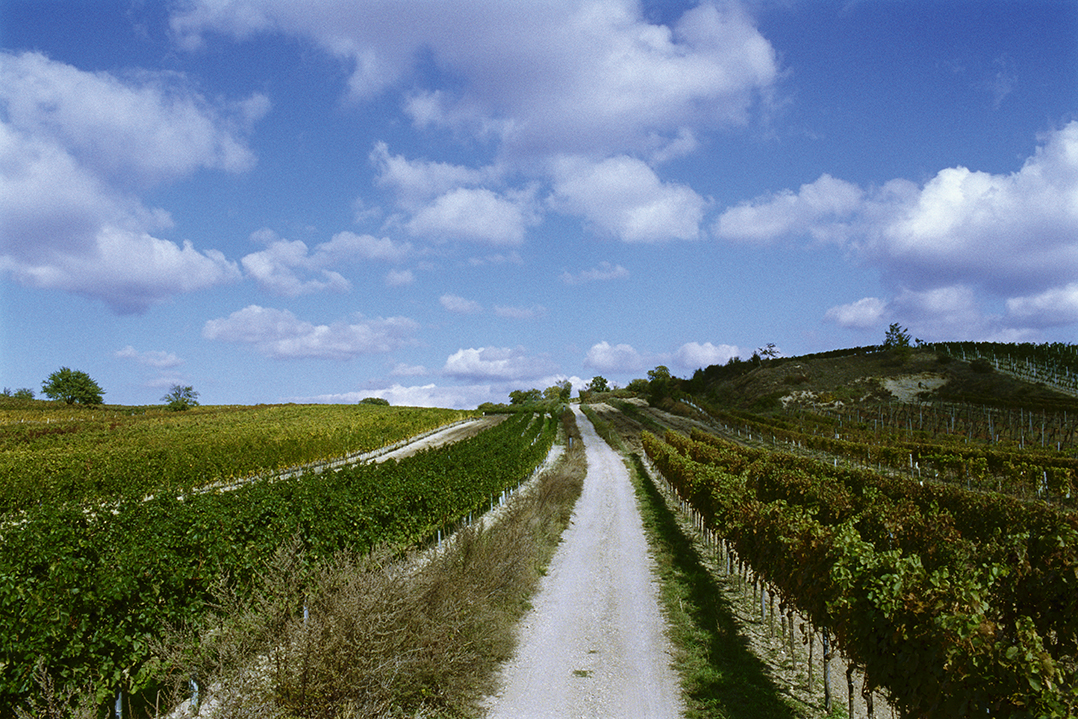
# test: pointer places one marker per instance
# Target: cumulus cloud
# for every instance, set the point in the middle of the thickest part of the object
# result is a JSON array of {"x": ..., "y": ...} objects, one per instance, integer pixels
[
  {"x": 151, "y": 358},
  {"x": 944, "y": 313},
  {"x": 562, "y": 76},
  {"x": 1010, "y": 236},
  {"x": 614, "y": 358},
  {"x": 142, "y": 130},
  {"x": 77, "y": 147},
  {"x": 417, "y": 182},
  {"x": 1014, "y": 233},
  {"x": 497, "y": 364},
  {"x": 693, "y": 355},
  {"x": 406, "y": 370},
  {"x": 459, "y": 305},
  {"x": 624, "y": 198},
  {"x": 399, "y": 278},
  {"x": 865, "y": 313},
  {"x": 817, "y": 208},
  {"x": 281, "y": 335},
  {"x": 595, "y": 81},
  {"x": 428, "y": 395},
  {"x": 475, "y": 214},
  {"x": 1055, "y": 306},
  {"x": 278, "y": 267},
  {"x": 520, "y": 313},
  {"x": 605, "y": 271}
]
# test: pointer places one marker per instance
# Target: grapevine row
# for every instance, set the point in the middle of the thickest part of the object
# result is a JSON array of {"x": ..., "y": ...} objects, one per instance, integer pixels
[
  {"x": 1022, "y": 473},
  {"x": 956, "y": 603},
  {"x": 86, "y": 594},
  {"x": 108, "y": 455}
]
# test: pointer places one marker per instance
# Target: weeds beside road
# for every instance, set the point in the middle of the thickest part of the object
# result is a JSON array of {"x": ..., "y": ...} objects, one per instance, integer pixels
[{"x": 377, "y": 639}]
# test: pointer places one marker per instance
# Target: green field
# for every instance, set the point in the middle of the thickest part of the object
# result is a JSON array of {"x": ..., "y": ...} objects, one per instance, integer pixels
[
  {"x": 86, "y": 586},
  {"x": 50, "y": 453}
]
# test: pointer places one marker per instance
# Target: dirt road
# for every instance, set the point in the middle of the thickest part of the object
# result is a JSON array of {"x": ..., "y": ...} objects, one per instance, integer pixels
[{"x": 594, "y": 643}]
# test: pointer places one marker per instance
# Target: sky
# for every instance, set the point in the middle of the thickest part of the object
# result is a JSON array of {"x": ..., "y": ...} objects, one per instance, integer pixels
[{"x": 436, "y": 203}]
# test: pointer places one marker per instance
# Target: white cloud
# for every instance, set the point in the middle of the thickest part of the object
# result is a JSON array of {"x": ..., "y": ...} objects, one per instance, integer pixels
[
  {"x": 144, "y": 129},
  {"x": 1009, "y": 233},
  {"x": 1055, "y": 306},
  {"x": 459, "y": 305},
  {"x": 863, "y": 314},
  {"x": 614, "y": 358},
  {"x": 76, "y": 147},
  {"x": 520, "y": 313},
  {"x": 428, "y": 395},
  {"x": 694, "y": 355},
  {"x": 497, "y": 363},
  {"x": 350, "y": 247},
  {"x": 623, "y": 197},
  {"x": 475, "y": 214},
  {"x": 405, "y": 370},
  {"x": 417, "y": 182},
  {"x": 151, "y": 358},
  {"x": 399, "y": 278},
  {"x": 605, "y": 271},
  {"x": 1012, "y": 236},
  {"x": 128, "y": 270},
  {"x": 817, "y": 209},
  {"x": 944, "y": 313},
  {"x": 560, "y": 76},
  {"x": 281, "y": 335},
  {"x": 277, "y": 268}
]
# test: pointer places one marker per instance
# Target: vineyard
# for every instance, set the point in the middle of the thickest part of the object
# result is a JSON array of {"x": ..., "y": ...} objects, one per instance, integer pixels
[
  {"x": 94, "y": 455},
  {"x": 955, "y": 602},
  {"x": 1054, "y": 364},
  {"x": 893, "y": 438},
  {"x": 934, "y": 542},
  {"x": 84, "y": 590}
]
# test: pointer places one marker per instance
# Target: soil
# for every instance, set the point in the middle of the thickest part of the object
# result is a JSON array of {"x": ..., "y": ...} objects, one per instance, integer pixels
[{"x": 594, "y": 644}]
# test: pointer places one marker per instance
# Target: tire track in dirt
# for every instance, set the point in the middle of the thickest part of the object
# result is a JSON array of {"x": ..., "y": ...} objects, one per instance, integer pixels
[{"x": 594, "y": 644}]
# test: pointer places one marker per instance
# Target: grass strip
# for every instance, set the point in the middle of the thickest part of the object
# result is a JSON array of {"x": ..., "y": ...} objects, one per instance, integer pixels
[
  {"x": 720, "y": 674},
  {"x": 375, "y": 637}
]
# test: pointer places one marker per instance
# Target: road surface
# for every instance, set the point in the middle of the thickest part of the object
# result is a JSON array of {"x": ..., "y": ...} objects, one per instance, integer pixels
[{"x": 594, "y": 643}]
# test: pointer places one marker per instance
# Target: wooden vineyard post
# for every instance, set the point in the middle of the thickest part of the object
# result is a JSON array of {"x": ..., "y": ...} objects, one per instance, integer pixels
[
  {"x": 826, "y": 671},
  {"x": 849, "y": 686}
]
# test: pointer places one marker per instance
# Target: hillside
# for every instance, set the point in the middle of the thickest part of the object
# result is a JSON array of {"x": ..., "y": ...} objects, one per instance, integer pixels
[{"x": 864, "y": 376}]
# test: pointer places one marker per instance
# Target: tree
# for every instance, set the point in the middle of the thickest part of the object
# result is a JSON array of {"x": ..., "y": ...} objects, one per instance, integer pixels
[
  {"x": 660, "y": 384},
  {"x": 770, "y": 351},
  {"x": 522, "y": 396},
  {"x": 897, "y": 342},
  {"x": 375, "y": 400},
  {"x": 559, "y": 391},
  {"x": 897, "y": 336},
  {"x": 72, "y": 386},
  {"x": 660, "y": 374},
  {"x": 598, "y": 384},
  {"x": 181, "y": 398}
]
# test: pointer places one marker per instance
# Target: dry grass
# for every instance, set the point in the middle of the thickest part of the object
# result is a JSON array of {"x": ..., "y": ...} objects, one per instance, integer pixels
[{"x": 381, "y": 636}]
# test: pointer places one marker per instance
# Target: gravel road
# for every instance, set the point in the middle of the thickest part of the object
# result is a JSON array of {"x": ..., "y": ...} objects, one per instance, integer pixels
[{"x": 594, "y": 644}]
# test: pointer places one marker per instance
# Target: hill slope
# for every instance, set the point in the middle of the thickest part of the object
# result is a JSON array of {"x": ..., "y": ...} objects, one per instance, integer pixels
[{"x": 867, "y": 376}]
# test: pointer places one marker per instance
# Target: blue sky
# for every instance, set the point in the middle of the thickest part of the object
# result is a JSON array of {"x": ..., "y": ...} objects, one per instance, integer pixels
[{"x": 437, "y": 203}]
